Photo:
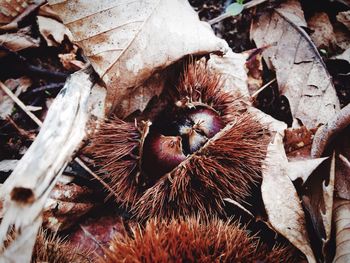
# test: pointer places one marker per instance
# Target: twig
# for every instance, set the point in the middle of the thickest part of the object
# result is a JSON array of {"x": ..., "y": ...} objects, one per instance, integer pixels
[
  {"x": 226, "y": 15},
  {"x": 326, "y": 133},
  {"x": 256, "y": 93},
  {"x": 21, "y": 131},
  {"x": 48, "y": 87},
  {"x": 20, "y": 104}
]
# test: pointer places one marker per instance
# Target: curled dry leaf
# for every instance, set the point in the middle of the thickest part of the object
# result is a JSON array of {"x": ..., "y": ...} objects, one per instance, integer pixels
[
  {"x": 67, "y": 204},
  {"x": 19, "y": 40},
  {"x": 323, "y": 32},
  {"x": 326, "y": 133},
  {"x": 95, "y": 233},
  {"x": 297, "y": 143},
  {"x": 12, "y": 11},
  {"x": 344, "y": 18},
  {"x": 125, "y": 51},
  {"x": 52, "y": 30},
  {"x": 254, "y": 68},
  {"x": 342, "y": 231},
  {"x": 312, "y": 96},
  {"x": 283, "y": 207},
  {"x": 232, "y": 68}
]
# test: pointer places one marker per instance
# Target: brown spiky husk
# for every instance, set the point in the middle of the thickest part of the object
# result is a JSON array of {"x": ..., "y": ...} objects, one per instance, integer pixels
[
  {"x": 115, "y": 150},
  {"x": 51, "y": 248},
  {"x": 199, "y": 85},
  {"x": 190, "y": 240},
  {"x": 226, "y": 167}
]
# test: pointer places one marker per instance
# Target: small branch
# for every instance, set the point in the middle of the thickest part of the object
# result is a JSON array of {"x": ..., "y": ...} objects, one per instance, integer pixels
[
  {"x": 51, "y": 86},
  {"x": 256, "y": 93},
  {"x": 226, "y": 15},
  {"x": 21, "y": 131},
  {"x": 20, "y": 104}
]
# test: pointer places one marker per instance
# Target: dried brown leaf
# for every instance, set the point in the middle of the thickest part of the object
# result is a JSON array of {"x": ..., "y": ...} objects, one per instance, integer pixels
[
  {"x": 52, "y": 30},
  {"x": 323, "y": 32},
  {"x": 301, "y": 74},
  {"x": 143, "y": 37},
  {"x": 344, "y": 18},
  {"x": 342, "y": 230},
  {"x": 283, "y": 207},
  {"x": 19, "y": 40},
  {"x": 297, "y": 143}
]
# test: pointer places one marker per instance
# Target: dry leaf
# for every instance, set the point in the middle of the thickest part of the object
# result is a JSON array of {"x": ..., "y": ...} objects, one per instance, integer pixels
[
  {"x": 301, "y": 74},
  {"x": 344, "y": 56},
  {"x": 67, "y": 204},
  {"x": 19, "y": 40},
  {"x": 297, "y": 143},
  {"x": 323, "y": 33},
  {"x": 281, "y": 201},
  {"x": 52, "y": 30},
  {"x": 143, "y": 37},
  {"x": 342, "y": 231},
  {"x": 8, "y": 165},
  {"x": 254, "y": 70},
  {"x": 344, "y": 18},
  {"x": 69, "y": 60},
  {"x": 232, "y": 68},
  {"x": 95, "y": 233},
  {"x": 10, "y": 9}
]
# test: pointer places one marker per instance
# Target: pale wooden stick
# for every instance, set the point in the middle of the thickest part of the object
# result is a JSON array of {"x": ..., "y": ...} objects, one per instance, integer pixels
[{"x": 256, "y": 93}]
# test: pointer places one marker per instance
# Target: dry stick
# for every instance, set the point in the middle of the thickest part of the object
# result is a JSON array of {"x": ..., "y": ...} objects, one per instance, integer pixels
[
  {"x": 326, "y": 133},
  {"x": 226, "y": 15},
  {"x": 39, "y": 123},
  {"x": 20, "y": 104},
  {"x": 256, "y": 93}
]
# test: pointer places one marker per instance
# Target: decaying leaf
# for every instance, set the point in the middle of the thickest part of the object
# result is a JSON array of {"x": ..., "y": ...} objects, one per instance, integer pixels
[
  {"x": 301, "y": 74},
  {"x": 254, "y": 68},
  {"x": 327, "y": 133},
  {"x": 19, "y": 40},
  {"x": 12, "y": 11},
  {"x": 281, "y": 201},
  {"x": 344, "y": 17},
  {"x": 52, "y": 30},
  {"x": 323, "y": 32},
  {"x": 67, "y": 204},
  {"x": 232, "y": 68},
  {"x": 297, "y": 143},
  {"x": 143, "y": 37},
  {"x": 342, "y": 223},
  {"x": 96, "y": 233}
]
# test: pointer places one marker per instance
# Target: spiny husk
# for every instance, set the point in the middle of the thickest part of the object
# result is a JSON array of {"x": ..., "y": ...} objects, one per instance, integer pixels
[
  {"x": 189, "y": 240},
  {"x": 51, "y": 248},
  {"x": 227, "y": 166},
  {"x": 115, "y": 147}
]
